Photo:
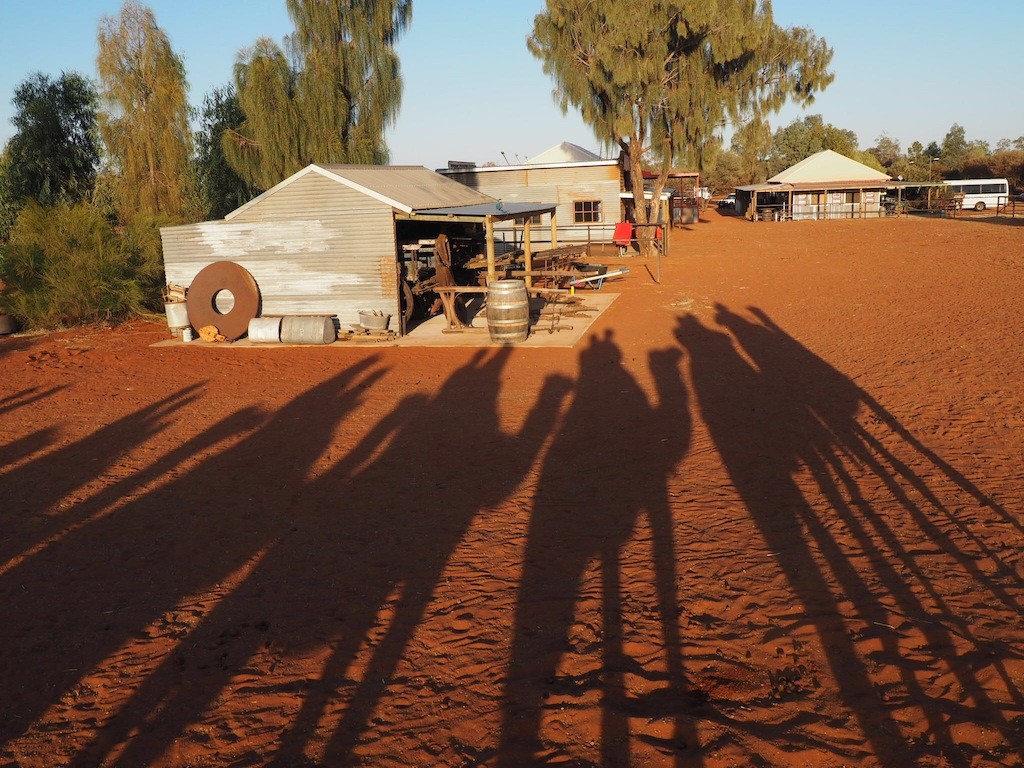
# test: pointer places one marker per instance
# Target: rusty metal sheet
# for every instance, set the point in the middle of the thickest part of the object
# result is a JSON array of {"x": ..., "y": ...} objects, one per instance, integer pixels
[{"x": 211, "y": 280}]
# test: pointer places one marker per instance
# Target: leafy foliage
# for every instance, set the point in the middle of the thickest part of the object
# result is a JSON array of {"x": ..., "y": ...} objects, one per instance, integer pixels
[
  {"x": 54, "y": 152},
  {"x": 663, "y": 75},
  {"x": 804, "y": 137},
  {"x": 9, "y": 205},
  {"x": 222, "y": 188},
  {"x": 886, "y": 151},
  {"x": 145, "y": 118},
  {"x": 328, "y": 99},
  {"x": 64, "y": 265}
]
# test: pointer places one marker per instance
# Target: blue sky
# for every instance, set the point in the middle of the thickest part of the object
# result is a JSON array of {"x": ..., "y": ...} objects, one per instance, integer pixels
[{"x": 472, "y": 91}]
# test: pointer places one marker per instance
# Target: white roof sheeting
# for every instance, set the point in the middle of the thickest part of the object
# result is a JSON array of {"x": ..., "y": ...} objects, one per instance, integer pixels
[
  {"x": 826, "y": 166},
  {"x": 564, "y": 153}
]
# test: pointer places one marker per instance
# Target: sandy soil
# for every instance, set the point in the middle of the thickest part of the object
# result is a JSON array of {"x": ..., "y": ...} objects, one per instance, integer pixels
[{"x": 769, "y": 514}]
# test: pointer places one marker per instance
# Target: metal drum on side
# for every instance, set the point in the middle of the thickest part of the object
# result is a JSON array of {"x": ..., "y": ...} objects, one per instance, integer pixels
[
  {"x": 308, "y": 330},
  {"x": 265, "y": 330},
  {"x": 508, "y": 311}
]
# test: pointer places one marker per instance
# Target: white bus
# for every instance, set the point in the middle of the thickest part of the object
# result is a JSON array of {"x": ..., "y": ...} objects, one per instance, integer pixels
[{"x": 980, "y": 194}]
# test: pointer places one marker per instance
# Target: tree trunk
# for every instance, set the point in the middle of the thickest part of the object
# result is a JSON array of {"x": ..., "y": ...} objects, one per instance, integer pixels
[{"x": 645, "y": 214}]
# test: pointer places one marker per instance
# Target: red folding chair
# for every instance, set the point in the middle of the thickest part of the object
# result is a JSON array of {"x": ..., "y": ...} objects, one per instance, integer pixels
[{"x": 623, "y": 236}]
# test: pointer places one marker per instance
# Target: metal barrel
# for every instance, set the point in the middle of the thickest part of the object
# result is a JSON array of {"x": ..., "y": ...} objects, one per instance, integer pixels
[
  {"x": 508, "y": 311},
  {"x": 265, "y": 330},
  {"x": 308, "y": 330}
]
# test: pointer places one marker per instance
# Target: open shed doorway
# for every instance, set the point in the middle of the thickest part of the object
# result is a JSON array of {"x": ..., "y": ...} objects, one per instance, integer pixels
[{"x": 418, "y": 243}]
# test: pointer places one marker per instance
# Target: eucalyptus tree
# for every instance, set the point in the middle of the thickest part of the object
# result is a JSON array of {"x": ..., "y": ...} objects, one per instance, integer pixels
[
  {"x": 326, "y": 96},
  {"x": 660, "y": 77},
  {"x": 807, "y": 135},
  {"x": 145, "y": 117},
  {"x": 54, "y": 152}
]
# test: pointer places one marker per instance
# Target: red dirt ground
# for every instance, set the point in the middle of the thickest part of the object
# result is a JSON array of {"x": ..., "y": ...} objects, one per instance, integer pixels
[{"x": 769, "y": 514}]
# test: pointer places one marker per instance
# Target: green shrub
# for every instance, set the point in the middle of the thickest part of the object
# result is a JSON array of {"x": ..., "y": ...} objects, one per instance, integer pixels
[{"x": 65, "y": 266}]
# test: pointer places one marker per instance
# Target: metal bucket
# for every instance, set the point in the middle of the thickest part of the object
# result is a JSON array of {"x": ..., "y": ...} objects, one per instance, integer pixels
[
  {"x": 371, "y": 321},
  {"x": 308, "y": 330},
  {"x": 177, "y": 315},
  {"x": 508, "y": 311},
  {"x": 265, "y": 330}
]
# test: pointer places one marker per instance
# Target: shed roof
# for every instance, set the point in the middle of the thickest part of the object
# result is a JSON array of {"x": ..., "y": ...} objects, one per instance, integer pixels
[
  {"x": 563, "y": 153},
  {"x": 828, "y": 166},
  {"x": 406, "y": 188}
]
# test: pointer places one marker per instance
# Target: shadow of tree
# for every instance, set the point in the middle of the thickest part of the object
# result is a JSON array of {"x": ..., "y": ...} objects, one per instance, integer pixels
[
  {"x": 792, "y": 430},
  {"x": 590, "y": 503}
]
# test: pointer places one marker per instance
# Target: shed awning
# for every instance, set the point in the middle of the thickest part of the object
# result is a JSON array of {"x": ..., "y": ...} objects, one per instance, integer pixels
[
  {"x": 487, "y": 214},
  {"x": 818, "y": 185},
  {"x": 479, "y": 212}
]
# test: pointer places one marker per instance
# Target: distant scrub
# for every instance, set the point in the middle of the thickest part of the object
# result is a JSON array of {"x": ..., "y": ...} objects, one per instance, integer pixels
[{"x": 66, "y": 265}]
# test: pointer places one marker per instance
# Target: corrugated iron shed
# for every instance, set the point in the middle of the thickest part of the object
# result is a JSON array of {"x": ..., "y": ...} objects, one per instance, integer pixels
[{"x": 325, "y": 240}]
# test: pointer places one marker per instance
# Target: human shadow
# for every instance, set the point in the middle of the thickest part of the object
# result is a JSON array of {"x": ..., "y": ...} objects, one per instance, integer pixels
[
  {"x": 40, "y": 493},
  {"x": 23, "y": 447},
  {"x": 605, "y": 475},
  {"x": 12, "y": 344},
  {"x": 369, "y": 537},
  {"x": 791, "y": 429},
  {"x": 12, "y": 402},
  {"x": 119, "y": 578}
]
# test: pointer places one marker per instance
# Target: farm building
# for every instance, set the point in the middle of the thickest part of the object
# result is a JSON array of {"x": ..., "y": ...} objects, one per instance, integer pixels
[
  {"x": 826, "y": 185},
  {"x": 336, "y": 239},
  {"x": 585, "y": 188}
]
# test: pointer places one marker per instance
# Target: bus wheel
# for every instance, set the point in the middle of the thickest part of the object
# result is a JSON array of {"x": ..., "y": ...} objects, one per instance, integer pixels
[{"x": 979, "y": 206}]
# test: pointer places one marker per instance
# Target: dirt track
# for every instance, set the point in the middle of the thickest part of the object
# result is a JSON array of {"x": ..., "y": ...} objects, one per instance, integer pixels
[{"x": 769, "y": 514}]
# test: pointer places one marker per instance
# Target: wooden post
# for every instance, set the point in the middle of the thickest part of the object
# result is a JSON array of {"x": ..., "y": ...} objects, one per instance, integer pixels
[
  {"x": 554, "y": 231},
  {"x": 527, "y": 253},
  {"x": 489, "y": 230}
]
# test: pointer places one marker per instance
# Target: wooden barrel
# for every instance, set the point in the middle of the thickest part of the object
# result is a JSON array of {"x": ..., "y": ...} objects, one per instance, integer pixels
[
  {"x": 308, "y": 330},
  {"x": 508, "y": 311},
  {"x": 265, "y": 330}
]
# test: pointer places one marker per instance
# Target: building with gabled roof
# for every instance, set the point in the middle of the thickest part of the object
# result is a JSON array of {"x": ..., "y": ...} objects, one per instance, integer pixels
[
  {"x": 565, "y": 152},
  {"x": 585, "y": 188},
  {"x": 825, "y": 185},
  {"x": 328, "y": 239}
]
